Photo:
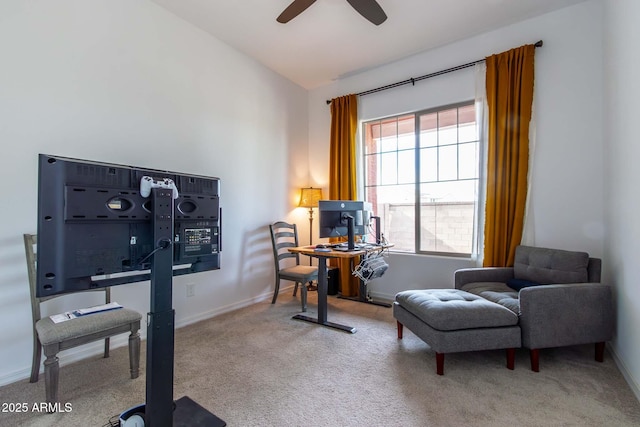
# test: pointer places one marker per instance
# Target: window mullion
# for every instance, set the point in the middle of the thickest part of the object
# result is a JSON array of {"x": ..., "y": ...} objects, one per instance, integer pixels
[
  {"x": 397, "y": 152},
  {"x": 417, "y": 179},
  {"x": 458, "y": 144}
]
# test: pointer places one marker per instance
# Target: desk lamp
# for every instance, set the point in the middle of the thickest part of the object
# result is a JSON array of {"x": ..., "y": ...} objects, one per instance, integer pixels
[{"x": 309, "y": 197}]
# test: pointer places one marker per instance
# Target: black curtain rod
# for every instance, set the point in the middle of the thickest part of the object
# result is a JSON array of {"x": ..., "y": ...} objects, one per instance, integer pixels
[{"x": 413, "y": 80}]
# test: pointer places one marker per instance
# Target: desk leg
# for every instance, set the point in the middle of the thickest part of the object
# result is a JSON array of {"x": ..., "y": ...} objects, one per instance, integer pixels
[
  {"x": 323, "y": 286},
  {"x": 322, "y": 301}
]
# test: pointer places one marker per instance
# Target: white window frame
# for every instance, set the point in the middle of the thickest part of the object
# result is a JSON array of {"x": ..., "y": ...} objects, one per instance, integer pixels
[{"x": 476, "y": 223}]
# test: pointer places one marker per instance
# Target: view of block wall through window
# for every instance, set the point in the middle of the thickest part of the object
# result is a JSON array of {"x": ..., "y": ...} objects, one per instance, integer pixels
[{"x": 421, "y": 175}]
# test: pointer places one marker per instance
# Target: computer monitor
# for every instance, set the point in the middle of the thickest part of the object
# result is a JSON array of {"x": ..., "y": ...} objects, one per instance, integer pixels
[
  {"x": 95, "y": 226},
  {"x": 344, "y": 218}
]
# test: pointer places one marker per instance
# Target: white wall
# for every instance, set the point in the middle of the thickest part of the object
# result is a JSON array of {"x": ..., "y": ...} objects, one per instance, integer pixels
[
  {"x": 622, "y": 151},
  {"x": 127, "y": 82},
  {"x": 568, "y": 100}
]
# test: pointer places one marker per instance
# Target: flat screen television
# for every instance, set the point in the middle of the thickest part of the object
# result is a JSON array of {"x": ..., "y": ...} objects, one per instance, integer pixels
[
  {"x": 344, "y": 218},
  {"x": 95, "y": 227}
]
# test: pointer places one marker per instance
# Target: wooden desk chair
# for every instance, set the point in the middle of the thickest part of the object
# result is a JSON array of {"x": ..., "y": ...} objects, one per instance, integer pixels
[
  {"x": 55, "y": 337},
  {"x": 284, "y": 236}
]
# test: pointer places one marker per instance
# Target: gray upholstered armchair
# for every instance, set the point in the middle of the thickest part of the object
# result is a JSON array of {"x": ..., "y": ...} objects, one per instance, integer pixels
[{"x": 557, "y": 295}]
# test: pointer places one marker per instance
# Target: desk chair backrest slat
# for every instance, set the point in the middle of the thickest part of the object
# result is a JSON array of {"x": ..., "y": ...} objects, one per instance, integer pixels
[{"x": 283, "y": 236}]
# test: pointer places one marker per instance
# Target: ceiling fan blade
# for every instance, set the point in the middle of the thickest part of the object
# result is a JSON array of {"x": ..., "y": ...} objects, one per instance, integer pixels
[
  {"x": 293, "y": 10},
  {"x": 370, "y": 9}
]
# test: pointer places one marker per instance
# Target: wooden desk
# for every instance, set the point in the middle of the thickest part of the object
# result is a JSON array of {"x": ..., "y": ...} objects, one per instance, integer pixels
[{"x": 322, "y": 282}]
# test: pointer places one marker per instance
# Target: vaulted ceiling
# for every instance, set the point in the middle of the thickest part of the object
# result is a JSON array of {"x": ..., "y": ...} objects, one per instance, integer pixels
[{"x": 330, "y": 39}]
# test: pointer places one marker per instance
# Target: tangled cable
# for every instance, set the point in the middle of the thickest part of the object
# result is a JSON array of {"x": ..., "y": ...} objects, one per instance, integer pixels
[{"x": 371, "y": 267}]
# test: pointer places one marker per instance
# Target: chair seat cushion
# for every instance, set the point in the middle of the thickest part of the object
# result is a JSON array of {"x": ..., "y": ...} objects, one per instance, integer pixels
[
  {"x": 301, "y": 272},
  {"x": 497, "y": 292},
  {"x": 50, "y": 332},
  {"x": 453, "y": 309}
]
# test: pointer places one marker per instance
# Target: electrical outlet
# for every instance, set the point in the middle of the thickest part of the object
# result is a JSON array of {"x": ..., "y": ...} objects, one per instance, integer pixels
[{"x": 191, "y": 289}]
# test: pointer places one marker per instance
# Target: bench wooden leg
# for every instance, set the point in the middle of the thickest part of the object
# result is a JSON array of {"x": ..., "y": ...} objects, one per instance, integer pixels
[
  {"x": 35, "y": 364},
  {"x": 535, "y": 359},
  {"x": 51, "y": 375},
  {"x": 439, "y": 363},
  {"x": 134, "y": 354},
  {"x": 400, "y": 328},
  {"x": 511, "y": 358},
  {"x": 600, "y": 351}
]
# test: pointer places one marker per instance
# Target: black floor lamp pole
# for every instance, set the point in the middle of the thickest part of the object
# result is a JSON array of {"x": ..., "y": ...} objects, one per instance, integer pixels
[
  {"x": 310, "y": 232},
  {"x": 309, "y": 198}
]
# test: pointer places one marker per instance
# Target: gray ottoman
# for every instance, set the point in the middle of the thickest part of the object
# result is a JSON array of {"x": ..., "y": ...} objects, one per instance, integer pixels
[{"x": 451, "y": 321}]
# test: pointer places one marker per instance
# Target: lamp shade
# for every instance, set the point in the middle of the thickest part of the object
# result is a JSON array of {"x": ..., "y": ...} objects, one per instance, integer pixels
[{"x": 309, "y": 197}]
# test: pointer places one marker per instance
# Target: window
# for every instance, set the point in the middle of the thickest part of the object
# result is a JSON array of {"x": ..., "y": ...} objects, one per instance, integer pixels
[{"x": 421, "y": 176}]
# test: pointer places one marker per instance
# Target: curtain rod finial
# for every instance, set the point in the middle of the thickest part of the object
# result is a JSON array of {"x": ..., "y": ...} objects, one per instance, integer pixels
[{"x": 539, "y": 43}]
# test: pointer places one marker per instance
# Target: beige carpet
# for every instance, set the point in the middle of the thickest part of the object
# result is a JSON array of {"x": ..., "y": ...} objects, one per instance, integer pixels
[{"x": 257, "y": 367}]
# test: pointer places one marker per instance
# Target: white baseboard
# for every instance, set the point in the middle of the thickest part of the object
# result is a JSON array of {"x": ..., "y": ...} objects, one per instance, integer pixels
[
  {"x": 68, "y": 356},
  {"x": 380, "y": 296},
  {"x": 97, "y": 348},
  {"x": 221, "y": 310},
  {"x": 635, "y": 387}
]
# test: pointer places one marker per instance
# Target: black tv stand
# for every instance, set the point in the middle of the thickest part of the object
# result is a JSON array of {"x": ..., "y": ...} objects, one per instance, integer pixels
[
  {"x": 159, "y": 409},
  {"x": 188, "y": 413}
]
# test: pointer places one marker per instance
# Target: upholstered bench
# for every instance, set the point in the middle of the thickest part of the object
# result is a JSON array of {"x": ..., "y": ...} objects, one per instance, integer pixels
[{"x": 451, "y": 321}]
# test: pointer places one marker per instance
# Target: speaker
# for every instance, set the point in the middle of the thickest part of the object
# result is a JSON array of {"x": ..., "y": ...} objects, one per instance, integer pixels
[{"x": 333, "y": 280}]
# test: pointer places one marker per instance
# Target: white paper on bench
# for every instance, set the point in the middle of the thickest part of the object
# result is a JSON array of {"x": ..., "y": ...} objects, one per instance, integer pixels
[{"x": 63, "y": 317}]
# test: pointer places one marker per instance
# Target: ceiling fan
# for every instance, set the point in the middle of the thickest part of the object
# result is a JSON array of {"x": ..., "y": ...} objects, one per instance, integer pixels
[{"x": 370, "y": 9}]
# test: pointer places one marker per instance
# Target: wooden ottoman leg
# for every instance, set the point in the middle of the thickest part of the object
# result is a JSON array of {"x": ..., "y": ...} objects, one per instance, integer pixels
[
  {"x": 400, "y": 328},
  {"x": 511, "y": 358},
  {"x": 600, "y": 351},
  {"x": 440, "y": 363}
]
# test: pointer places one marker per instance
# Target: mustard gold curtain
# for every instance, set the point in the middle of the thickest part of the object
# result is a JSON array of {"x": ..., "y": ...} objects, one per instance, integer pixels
[
  {"x": 342, "y": 158},
  {"x": 509, "y": 83},
  {"x": 342, "y": 171}
]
